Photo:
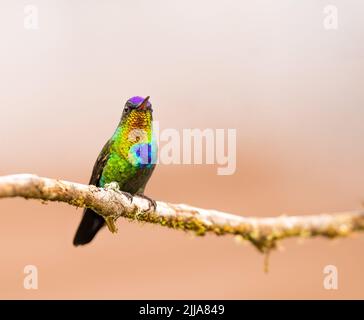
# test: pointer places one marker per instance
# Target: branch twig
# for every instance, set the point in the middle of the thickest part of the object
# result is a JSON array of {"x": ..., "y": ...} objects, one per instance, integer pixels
[{"x": 112, "y": 203}]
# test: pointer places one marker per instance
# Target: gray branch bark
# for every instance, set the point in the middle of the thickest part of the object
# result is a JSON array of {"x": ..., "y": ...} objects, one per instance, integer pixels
[{"x": 111, "y": 203}]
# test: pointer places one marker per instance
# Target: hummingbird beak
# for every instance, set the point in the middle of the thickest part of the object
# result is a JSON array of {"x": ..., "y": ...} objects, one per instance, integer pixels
[{"x": 143, "y": 105}]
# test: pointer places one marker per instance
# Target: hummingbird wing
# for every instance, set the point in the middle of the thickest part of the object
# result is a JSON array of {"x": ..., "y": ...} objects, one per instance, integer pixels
[{"x": 92, "y": 222}]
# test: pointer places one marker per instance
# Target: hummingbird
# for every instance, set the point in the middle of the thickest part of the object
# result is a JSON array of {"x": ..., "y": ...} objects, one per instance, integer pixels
[{"x": 127, "y": 158}]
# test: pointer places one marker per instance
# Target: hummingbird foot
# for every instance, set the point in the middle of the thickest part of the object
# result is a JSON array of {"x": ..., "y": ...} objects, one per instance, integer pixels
[
  {"x": 114, "y": 186},
  {"x": 152, "y": 204},
  {"x": 128, "y": 195}
]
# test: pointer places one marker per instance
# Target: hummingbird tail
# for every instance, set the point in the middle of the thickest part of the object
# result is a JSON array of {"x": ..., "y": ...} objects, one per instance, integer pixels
[{"x": 90, "y": 224}]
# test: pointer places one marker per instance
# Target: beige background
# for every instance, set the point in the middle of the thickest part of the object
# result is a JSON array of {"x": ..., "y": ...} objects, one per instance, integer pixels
[{"x": 293, "y": 90}]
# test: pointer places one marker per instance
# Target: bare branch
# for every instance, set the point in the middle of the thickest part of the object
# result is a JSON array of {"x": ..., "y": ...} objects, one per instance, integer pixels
[{"x": 112, "y": 203}]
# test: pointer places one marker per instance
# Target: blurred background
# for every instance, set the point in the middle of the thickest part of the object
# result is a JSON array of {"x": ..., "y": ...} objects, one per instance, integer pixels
[{"x": 292, "y": 89}]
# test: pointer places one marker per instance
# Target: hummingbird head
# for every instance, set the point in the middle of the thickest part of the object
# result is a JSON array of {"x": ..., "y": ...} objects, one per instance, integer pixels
[
  {"x": 137, "y": 104},
  {"x": 137, "y": 113}
]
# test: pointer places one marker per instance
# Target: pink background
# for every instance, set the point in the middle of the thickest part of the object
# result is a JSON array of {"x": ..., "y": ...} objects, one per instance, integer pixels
[{"x": 293, "y": 90}]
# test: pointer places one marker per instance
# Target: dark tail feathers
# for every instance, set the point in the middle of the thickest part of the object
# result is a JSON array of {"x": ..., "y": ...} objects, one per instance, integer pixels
[{"x": 90, "y": 224}]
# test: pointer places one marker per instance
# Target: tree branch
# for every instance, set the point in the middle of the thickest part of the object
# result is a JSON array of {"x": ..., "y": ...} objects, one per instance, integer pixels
[{"x": 112, "y": 203}]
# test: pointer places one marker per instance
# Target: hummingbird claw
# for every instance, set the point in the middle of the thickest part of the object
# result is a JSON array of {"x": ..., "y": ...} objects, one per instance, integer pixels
[
  {"x": 129, "y": 196},
  {"x": 152, "y": 204}
]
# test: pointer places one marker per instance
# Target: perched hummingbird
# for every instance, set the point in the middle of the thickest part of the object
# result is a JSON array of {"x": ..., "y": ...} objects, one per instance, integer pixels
[{"x": 128, "y": 158}]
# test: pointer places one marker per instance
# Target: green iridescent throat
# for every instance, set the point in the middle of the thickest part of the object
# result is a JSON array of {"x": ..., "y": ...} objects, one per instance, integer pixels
[{"x": 123, "y": 162}]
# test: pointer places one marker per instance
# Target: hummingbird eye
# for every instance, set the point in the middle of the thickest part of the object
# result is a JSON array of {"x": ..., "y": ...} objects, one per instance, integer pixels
[{"x": 128, "y": 107}]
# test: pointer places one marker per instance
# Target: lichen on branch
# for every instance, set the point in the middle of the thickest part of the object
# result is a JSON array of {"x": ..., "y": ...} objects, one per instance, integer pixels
[{"x": 111, "y": 203}]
